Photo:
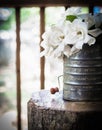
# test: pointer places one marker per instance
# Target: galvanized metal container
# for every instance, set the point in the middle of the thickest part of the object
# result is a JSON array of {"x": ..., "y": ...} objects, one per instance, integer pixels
[{"x": 82, "y": 78}]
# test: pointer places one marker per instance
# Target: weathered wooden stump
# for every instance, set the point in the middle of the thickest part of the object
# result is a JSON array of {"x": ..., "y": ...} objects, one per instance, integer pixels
[{"x": 51, "y": 112}]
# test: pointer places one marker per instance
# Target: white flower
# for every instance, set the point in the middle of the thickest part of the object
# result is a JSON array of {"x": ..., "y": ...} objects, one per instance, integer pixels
[
  {"x": 69, "y": 34},
  {"x": 78, "y": 36},
  {"x": 78, "y": 33},
  {"x": 53, "y": 41}
]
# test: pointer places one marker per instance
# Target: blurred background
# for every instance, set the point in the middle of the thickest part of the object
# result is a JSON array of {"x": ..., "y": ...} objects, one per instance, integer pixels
[{"x": 30, "y": 55}]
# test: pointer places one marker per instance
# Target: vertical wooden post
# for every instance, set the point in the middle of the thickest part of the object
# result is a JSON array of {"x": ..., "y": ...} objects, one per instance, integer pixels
[
  {"x": 18, "y": 68},
  {"x": 91, "y": 7},
  {"x": 42, "y": 59}
]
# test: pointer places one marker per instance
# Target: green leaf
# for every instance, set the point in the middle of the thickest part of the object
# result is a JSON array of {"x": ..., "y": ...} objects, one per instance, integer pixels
[{"x": 71, "y": 17}]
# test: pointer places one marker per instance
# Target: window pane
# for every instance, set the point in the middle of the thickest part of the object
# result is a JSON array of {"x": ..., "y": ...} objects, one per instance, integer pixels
[
  {"x": 30, "y": 50},
  {"x": 53, "y": 68},
  {"x": 7, "y": 68}
]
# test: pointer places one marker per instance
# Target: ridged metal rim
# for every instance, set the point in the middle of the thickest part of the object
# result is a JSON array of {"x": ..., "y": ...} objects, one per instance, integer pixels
[
  {"x": 83, "y": 84},
  {"x": 79, "y": 74},
  {"x": 83, "y": 66},
  {"x": 86, "y": 59}
]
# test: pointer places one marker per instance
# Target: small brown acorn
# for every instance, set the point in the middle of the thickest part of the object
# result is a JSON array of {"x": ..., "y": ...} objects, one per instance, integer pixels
[{"x": 54, "y": 90}]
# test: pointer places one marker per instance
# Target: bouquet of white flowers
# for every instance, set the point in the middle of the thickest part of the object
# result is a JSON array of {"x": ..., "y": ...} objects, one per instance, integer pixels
[{"x": 68, "y": 35}]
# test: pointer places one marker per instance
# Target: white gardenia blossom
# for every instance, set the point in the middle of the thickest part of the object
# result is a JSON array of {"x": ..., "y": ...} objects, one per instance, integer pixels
[
  {"x": 68, "y": 35},
  {"x": 53, "y": 41},
  {"x": 77, "y": 36}
]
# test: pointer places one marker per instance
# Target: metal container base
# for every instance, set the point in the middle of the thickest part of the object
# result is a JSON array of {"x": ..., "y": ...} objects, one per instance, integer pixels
[{"x": 82, "y": 96}]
